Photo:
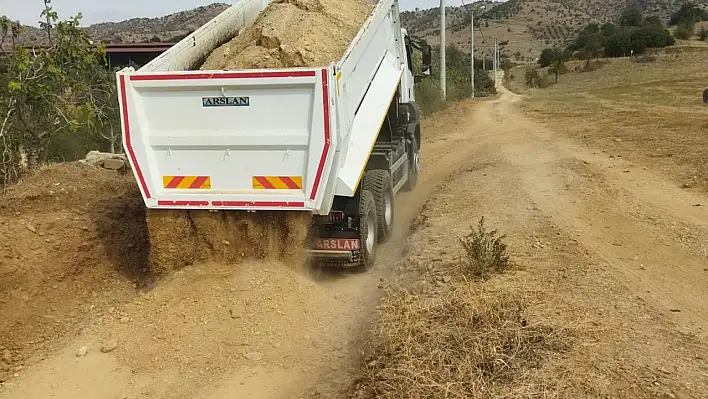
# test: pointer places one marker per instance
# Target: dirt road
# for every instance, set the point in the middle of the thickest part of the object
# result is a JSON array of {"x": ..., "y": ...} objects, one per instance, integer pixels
[
  {"x": 609, "y": 259},
  {"x": 265, "y": 331},
  {"x": 260, "y": 330}
]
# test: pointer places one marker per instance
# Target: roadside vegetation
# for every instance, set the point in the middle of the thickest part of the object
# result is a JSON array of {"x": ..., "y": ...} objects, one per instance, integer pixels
[
  {"x": 56, "y": 103},
  {"x": 635, "y": 35},
  {"x": 469, "y": 336},
  {"x": 458, "y": 81}
]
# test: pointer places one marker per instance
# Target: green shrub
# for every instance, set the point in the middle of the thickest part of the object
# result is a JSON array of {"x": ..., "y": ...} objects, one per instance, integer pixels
[
  {"x": 703, "y": 34},
  {"x": 428, "y": 94},
  {"x": 485, "y": 252},
  {"x": 688, "y": 13},
  {"x": 685, "y": 30}
]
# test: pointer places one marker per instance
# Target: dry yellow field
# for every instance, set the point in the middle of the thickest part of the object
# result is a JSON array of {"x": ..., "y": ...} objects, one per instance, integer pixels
[{"x": 650, "y": 113}]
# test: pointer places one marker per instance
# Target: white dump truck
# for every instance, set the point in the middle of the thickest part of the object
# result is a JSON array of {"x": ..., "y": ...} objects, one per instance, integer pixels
[{"x": 338, "y": 141}]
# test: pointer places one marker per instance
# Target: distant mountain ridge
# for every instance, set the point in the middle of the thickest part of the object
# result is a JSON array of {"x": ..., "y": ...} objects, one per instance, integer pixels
[
  {"x": 171, "y": 27},
  {"x": 528, "y": 25}
]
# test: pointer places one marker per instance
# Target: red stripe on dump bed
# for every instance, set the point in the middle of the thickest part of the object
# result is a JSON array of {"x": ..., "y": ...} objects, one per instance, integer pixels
[
  {"x": 199, "y": 181},
  {"x": 264, "y": 182},
  {"x": 259, "y": 204},
  {"x": 325, "y": 150},
  {"x": 128, "y": 142},
  {"x": 174, "y": 183},
  {"x": 227, "y": 75},
  {"x": 182, "y": 203},
  {"x": 289, "y": 182}
]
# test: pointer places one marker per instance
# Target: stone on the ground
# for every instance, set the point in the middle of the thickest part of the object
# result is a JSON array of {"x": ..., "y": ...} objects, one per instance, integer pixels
[
  {"x": 7, "y": 356},
  {"x": 254, "y": 356},
  {"x": 106, "y": 160},
  {"x": 113, "y": 164},
  {"x": 109, "y": 346},
  {"x": 82, "y": 351}
]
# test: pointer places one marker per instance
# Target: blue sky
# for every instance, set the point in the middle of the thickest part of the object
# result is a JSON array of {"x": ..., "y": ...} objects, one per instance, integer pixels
[{"x": 27, "y": 11}]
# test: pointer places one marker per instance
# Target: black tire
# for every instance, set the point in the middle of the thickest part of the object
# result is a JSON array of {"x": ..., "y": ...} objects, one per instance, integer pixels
[
  {"x": 379, "y": 183},
  {"x": 413, "y": 166},
  {"x": 367, "y": 225}
]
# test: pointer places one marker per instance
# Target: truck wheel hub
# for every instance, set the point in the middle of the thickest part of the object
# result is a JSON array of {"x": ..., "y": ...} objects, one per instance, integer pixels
[
  {"x": 370, "y": 238},
  {"x": 388, "y": 209}
]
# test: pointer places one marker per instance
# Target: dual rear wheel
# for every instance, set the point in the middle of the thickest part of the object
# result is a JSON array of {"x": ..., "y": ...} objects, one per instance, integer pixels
[{"x": 376, "y": 214}]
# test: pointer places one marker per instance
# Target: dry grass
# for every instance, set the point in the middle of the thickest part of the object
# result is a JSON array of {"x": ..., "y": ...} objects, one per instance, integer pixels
[
  {"x": 648, "y": 112},
  {"x": 466, "y": 342}
]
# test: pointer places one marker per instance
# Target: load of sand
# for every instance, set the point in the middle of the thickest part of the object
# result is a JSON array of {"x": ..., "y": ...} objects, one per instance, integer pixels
[
  {"x": 288, "y": 34},
  {"x": 294, "y": 33}
]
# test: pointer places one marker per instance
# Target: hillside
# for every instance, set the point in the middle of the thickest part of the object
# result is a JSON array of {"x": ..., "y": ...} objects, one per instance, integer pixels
[
  {"x": 529, "y": 25},
  {"x": 168, "y": 28}
]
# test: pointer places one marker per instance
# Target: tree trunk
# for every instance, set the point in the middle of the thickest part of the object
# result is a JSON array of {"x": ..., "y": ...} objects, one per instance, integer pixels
[
  {"x": 34, "y": 152},
  {"x": 33, "y": 157},
  {"x": 22, "y": 160}
]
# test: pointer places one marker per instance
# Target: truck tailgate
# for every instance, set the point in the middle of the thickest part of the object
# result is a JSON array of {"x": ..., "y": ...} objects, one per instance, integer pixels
[{"x": 229, "y": 140}]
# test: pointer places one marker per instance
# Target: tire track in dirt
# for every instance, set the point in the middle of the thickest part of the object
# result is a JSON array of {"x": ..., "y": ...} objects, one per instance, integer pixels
[
  {"x": 627, "y": 216},
  {"x": 535, "y": 187}
]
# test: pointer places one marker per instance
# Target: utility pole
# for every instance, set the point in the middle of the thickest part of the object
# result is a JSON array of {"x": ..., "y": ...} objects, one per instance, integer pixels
[
  {"x": 495, "y": 62},
  {"x": 472, "y": 50},
  {"x": 443, "y": 66}
]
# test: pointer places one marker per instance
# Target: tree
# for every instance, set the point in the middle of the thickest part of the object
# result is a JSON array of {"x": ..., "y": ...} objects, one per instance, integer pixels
[
  {"x": 652, "y": 36},
  {"x": 591, "y": 49},
  {"x": 558, "y": 60},
  {"x": 653, "y": 20},
  {"x": 632, "y": 16},
  {"x": 531, "y": 76},
  {"x": 61, "y": 89},
  {"x": 619, "y": 44},
  {"x": 546, "y": 58},
  {"x": 703, "y": 34},
  {"x": 608, "y": 29},
  {"x": 685, "y": 30},
  {"x": 688, "y": 13}
]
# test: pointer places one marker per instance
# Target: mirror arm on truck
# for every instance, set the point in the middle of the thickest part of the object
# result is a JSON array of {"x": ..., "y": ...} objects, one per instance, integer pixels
[{"x": 426, "y": 56}]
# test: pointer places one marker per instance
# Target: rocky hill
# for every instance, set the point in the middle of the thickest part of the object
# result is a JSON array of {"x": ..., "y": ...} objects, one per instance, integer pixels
[
  {"x": 168, "y": 28},
  {"x": 528, "y": 25}
]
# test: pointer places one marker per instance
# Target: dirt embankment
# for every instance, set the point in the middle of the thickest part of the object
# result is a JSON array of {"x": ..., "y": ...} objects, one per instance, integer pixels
[{"x": 68, "y": 234}]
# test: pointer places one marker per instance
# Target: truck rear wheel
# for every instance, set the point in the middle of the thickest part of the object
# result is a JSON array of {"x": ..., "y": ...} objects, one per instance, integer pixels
[
  {"x": 379, "y": 182},
  {"x": 367, "y": 229},
  {"x": 413, "y": 166}
]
